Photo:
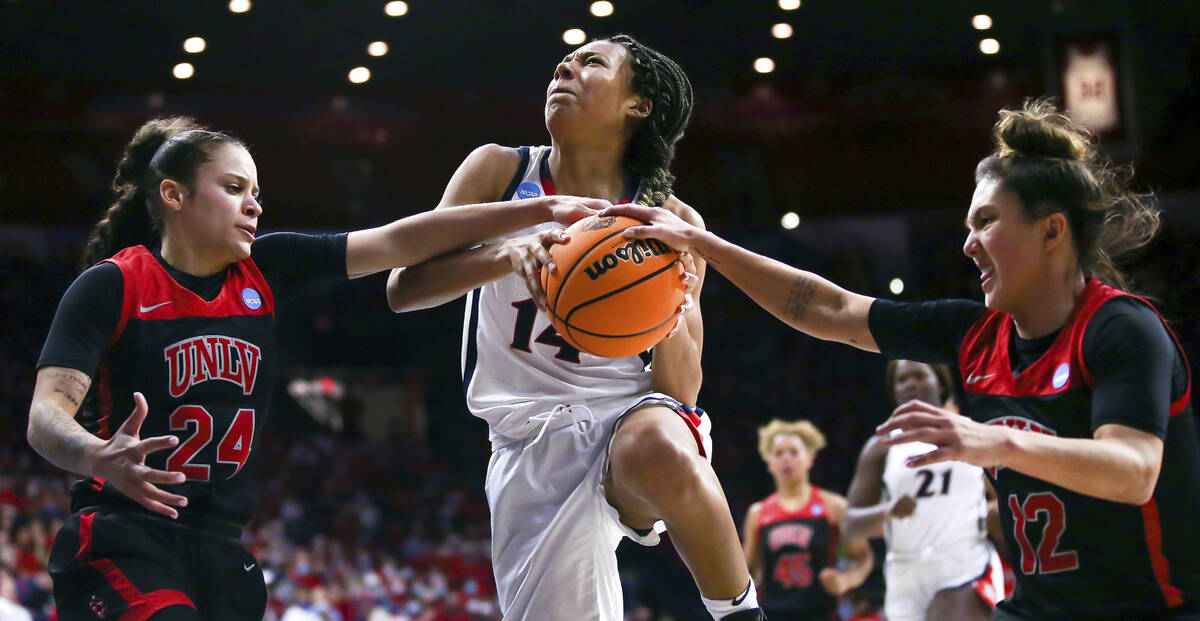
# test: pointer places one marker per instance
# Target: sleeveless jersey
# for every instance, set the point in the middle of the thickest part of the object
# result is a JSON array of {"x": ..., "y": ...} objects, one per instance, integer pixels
[
  {"x": 206, "y": 370},
  {"x": 1079, "y": 556},
  {"x": 514, "y": 363},
  {"x": 795, "y": 546},
  {"x": 951, "y": 506}
]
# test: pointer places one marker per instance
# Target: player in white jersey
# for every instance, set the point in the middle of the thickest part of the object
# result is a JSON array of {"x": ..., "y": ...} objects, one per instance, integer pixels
[
  {"x": 586, "y": 450},
  {"x": 940, "y": 564}
]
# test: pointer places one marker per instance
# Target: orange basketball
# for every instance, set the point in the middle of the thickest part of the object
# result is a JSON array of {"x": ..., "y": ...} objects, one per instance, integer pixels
[{"x": 612, "y": 296}]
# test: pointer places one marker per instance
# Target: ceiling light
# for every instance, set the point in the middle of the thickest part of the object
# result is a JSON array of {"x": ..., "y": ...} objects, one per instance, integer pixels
[
  {"x": 781, "y": 31},
  {"x": 194, "y": 45},
  {"x": 574, "y": 36},
  {"x": 396, "y": 8},
  {"x": 358, "y": 75},
  {"x": 764, "y": 65},
  {"x": 183, "y": 71},
  {"x": 602, "y": 8}
]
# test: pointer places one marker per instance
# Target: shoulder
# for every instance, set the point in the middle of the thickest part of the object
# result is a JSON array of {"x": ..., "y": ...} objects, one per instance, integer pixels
[
  {"x": 684, "y": 211},
  {"x": 1124, "y": 319},
  {"x": 835, "y": 503},
  {"x": 100, "y": 279},
  {"x": 753, "y": 512}
]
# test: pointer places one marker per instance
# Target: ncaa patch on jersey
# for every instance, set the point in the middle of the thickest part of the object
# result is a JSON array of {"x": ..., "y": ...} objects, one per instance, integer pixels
[
  {"x": 251, "y": 299},
  {"x": 528, "y": 190},
  {"x": 1061, "y": 374}
]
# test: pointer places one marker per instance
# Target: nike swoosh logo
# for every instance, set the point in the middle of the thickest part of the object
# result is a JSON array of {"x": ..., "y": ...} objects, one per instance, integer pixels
[
  {"x": 737, "y": 601},
  {"x": 249, "y": 567},
  {"x": 978, "y": 378},
  {"x": 146, "y": 309}
]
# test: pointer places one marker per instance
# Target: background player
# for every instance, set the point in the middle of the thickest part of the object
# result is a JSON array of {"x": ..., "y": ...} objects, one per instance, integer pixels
[
  {"x": 585, "y": 449},
  {"x": 1077, "y": 392},
  {"x": 178, "y": 330},
  {"x": 940, "y": 564},
  {"x": 791, "y": 536}
]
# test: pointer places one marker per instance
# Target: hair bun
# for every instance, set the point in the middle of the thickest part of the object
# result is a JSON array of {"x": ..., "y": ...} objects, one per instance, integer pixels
[{"x": 1039, "y": 130}]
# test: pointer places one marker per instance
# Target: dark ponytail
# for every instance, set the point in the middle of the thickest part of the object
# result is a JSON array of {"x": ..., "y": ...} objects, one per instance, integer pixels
[
  {"x": 170, "y": 148},
  {"x": 1053, "y": 166},
  {"x": 652, "y": 148}
]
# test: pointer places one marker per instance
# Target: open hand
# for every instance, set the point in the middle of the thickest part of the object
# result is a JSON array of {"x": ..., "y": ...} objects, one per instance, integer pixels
[
  {"x": 121, "y": 461},
  {"x": 955, "y": 436}
]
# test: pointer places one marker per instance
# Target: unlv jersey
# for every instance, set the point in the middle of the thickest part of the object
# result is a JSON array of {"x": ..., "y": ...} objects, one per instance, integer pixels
[
  {"x": 514, "y": 363},
  {"x": 1079, "y": 556},
  {"x": 206, "y": 370},
  {"x": 951, "y": 506},
  {"x": 795, "y": 546}
]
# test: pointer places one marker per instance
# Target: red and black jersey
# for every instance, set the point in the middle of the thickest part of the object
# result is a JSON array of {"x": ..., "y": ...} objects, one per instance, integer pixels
[
  {"x": 205, "y": 363},
  {"x": 795, "y": 546},
  {"x": 1113, "y": 361},
  {"x": 1080, "y": 556}
]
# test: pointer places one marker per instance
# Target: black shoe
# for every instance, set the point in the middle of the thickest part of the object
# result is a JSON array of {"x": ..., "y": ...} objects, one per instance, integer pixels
[{"x": 754, "y": 614}]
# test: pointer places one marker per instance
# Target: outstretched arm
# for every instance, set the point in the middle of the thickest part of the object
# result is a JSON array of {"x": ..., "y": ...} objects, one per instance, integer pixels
[
  {"x": 800, "y": 299},
  {"x": 482, "y": 178},
  {"x": 862, "y": 560}
]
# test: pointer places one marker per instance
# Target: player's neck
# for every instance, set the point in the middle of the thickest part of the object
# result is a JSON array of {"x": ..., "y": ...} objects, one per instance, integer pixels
[
  {"x": 190, "y": 258},
  {"x": 795, "y": 494},
  {"x": 592, "y": 170},
  {"x": 1048, "y": 307}
]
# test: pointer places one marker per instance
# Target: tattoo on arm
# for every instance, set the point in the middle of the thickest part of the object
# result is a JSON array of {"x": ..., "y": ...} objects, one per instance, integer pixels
[
  {"x": 800, "y": 297},
  {"x": 68, "y": 396}
]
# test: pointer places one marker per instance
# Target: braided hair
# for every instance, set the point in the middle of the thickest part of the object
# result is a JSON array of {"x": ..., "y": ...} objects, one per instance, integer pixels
[
  {"x": 1053, "y": 165},
  {"x": 661, "y": 80},
  {"x": 168, "y": 148}
]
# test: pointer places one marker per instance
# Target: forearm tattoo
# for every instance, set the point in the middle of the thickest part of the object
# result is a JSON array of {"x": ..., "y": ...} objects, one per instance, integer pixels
[{"x": 799, "y": 298}]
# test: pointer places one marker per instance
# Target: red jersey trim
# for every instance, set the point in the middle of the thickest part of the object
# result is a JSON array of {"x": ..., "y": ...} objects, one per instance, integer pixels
[
  {"x": 1162, "y": 571},
  {"x": 152, "y": 294},
  {"x": 772, "y": 509}
]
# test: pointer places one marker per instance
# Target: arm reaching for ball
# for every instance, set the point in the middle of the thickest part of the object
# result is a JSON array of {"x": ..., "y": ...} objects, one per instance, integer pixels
[{"x": 800, "y": 299}]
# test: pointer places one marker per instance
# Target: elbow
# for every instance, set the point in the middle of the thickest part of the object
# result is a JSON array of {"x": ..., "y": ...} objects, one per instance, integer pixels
[
  {"x": 1141, "y": 485},
  {"x": 399, "y": 296}
]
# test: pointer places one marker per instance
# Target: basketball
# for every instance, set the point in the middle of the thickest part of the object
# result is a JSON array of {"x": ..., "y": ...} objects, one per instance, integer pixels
[{"x": 612, "y": 296}]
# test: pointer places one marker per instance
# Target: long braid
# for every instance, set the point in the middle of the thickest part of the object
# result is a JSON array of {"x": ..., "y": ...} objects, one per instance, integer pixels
[
  {"x": 162, "y": 148},
  {"x": 652, "y": 148}
]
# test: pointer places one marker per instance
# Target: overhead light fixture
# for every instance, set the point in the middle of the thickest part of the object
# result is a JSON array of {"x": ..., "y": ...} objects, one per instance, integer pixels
[
  {"x": 183, "y": 71},
  {"x": 602, "y": 8},
  {"x": 789, "y": 5},
  {"x": 194, "y": 45},
  {"x": 574, "y": 36},
  {"x": 781, "y": 31},
  {"x": 764, "y": 65},
  {"x": 989, "y": 46},
  {"x": 358, "y": 75},
  {"x": 395, "y": 8},
  {"x": 377, "y": 48},
  {"x": 981, "y": 22},
  {"x": 239, "y": 6}
]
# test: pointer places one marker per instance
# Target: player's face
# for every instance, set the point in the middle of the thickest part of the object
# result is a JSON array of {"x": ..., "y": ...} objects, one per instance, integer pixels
[
  {"x": 790, "y": 460},
  {"x": 221, "y": 214},
  {"x": 916, "y": 380},
  {"x": 590, "y": 90},
  {"x": 1004, "y": 244}
]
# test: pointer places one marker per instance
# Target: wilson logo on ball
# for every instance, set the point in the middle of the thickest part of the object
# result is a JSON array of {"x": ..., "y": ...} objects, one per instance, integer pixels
[{"x": 636, "y": 251}]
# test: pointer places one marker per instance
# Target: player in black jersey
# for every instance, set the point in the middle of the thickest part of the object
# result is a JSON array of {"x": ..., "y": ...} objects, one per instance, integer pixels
[
  {"x": 791, "y": 536},
  {"x": 173, "y": 338},
  {"x": 1077, "y": 395}
]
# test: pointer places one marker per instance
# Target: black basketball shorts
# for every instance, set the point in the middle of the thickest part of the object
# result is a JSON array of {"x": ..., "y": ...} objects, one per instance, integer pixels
[{"x": 110, "y": 565}]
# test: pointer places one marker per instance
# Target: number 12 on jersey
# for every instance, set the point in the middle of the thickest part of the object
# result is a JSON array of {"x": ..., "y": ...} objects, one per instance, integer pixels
[{"x": 1044, "y": 508}]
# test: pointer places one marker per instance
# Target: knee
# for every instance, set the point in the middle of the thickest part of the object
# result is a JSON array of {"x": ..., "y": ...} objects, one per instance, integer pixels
[{"x": 653, "y": 458}]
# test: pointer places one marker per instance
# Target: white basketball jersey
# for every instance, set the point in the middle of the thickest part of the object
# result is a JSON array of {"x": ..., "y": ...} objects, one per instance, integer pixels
[
  {"x": 951, "y": 506},
  {"x": 514, "y": 364}
]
